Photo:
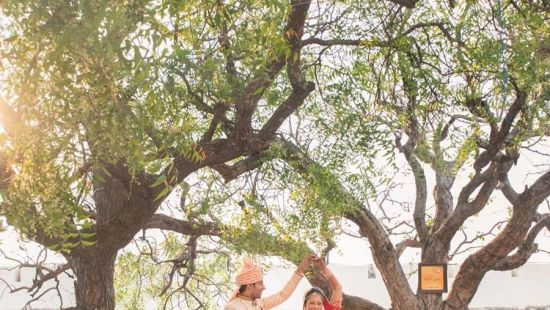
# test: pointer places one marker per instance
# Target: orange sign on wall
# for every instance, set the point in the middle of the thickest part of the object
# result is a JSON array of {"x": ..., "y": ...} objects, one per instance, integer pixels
[{"x": 432, "y": 278}]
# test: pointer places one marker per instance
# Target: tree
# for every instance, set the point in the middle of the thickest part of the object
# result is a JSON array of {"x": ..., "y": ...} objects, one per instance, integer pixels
[
  {"x": 462, "y": 93},
  {"x": 454, "y": 98},
  {"x": 109, "y": 107}
]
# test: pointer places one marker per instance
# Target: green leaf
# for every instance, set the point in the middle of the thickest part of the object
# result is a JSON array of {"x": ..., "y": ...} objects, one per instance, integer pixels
[
  {"x": 163, "y": 193},
  {"x": 160, "y": 180},
  {"x": 88, "y": 243}
]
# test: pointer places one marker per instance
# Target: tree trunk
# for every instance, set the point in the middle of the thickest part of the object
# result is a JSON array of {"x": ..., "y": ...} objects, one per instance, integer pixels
[
  {"x": 433, "y": 252},
  {"x": 353, "y": 302},
  {"x": 94, "y": 288}
]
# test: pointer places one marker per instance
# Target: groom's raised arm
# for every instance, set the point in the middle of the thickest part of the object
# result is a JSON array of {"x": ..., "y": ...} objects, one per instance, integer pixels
[{"x": 277, "y": 299}]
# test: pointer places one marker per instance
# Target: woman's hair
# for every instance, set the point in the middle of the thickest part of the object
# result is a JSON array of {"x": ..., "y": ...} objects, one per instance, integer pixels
[{"x": 313, "y": 291}]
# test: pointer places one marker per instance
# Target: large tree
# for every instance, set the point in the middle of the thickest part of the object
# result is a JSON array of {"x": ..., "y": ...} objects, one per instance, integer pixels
[
  {"x": 459, "y": 94},
  {"x": 109, "y": 107},
  {"x": 459, "y": 91}
]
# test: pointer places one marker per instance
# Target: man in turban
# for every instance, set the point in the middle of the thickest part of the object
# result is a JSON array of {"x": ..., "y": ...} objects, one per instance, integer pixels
[{"x": 250, "y": 285}]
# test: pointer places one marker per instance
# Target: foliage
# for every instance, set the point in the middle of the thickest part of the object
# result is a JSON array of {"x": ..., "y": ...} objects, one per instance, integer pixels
[{"x": 112, "y": 109}]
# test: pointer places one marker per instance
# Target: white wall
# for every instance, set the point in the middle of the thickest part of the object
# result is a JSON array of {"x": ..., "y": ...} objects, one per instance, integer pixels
[{"x": 18, "y": 300}]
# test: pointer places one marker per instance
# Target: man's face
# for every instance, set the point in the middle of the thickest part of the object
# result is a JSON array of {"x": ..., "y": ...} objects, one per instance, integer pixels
[{"x": 256, "y": 289}]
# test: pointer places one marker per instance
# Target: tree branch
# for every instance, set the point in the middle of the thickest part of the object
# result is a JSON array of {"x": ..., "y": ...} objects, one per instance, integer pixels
[
  {"x": 421, "y": 195},
  {"x": 254, "y": 90},
  {"x": 376, "y": 42},
  {"x": 539, "y": 191},
  {"x": 230, "y": 173},
  {"x": 40, "y": 277},
  {"x": 516, "y": 231},
  {"x": 36, "y": 285},
  {"x": 295, "y": 100},
  {"x": 225, "y": 45},
  {"x": 419, "y": 213},
  {"x": 185, "y": 260},
  {"x": 497, "y": 139},
  {"x": 406, "y": 3},
  {"x": 384, "y": 253},
  {"x": 165, "y": 222},
  {"x": 525, "y": 250},
  {"x": 407, "y": 243},
  {"x": 465, "y": 208},
  {"x": 508, "y": 191}
]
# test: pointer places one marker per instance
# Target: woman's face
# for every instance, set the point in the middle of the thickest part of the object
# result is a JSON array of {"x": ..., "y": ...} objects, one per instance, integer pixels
[{"x": 314, "y": 302}]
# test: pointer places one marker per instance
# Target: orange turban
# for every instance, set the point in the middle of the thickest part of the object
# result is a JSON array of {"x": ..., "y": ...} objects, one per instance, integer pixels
[{"x": 250, "y": 273}]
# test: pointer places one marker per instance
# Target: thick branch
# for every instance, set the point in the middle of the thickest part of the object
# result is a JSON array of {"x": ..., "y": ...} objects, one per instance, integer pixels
[
  {"x": 445, "y": 176},
  {"x": 442, "y": 191},
  {"x": 539, "y": 191},
  {"x": 539, "y": 217},
  {"x": 509, "y": 191},
  {"x": 419, "y": 214},
  {"x": 421, "y": 196},
  {"x": 516, "y": 231},
  {"x": 525, "y": 250},
  {"x": 165, "y": 222},
  {"x": 295, "y": 100},
  {"x": 375, "y": 42},
  {"x": 254, "y": 90},
  {"x": 406, "y": 3},
  {"x": 497, "y": 139},
  {"x": 465, "y": 208},
  {"x": 474, "y": 183},
  {"x": 230, "y": 173},
  {"x": 407, "y": 243},
  {"x": 385, "y": 255}
]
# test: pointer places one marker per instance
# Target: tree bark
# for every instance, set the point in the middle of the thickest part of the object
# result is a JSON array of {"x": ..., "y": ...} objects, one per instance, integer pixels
[
  {"x": 353, "y": 302},
  {"x": 94, "y": 288}
]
